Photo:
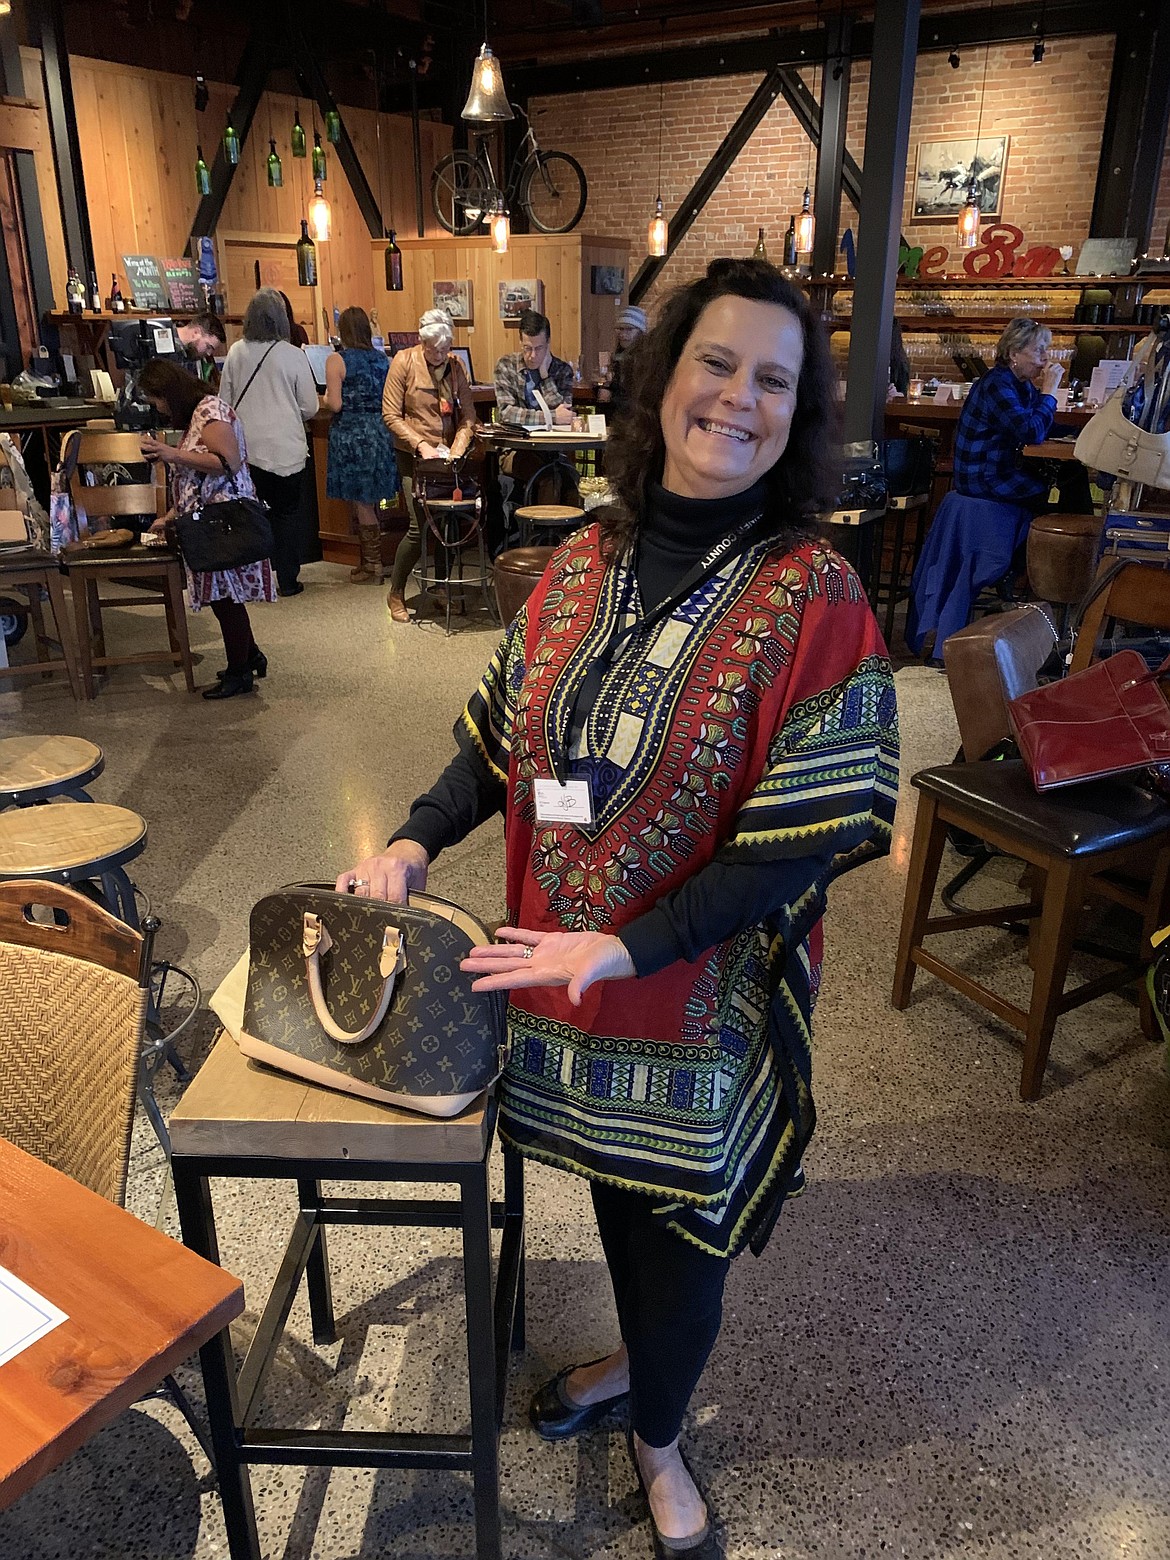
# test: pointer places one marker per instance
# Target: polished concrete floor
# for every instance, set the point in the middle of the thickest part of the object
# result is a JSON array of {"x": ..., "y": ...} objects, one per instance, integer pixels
[{"x": 956, "y": 1345}]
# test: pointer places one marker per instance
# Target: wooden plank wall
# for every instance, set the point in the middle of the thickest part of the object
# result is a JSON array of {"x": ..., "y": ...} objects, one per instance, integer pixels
[
  {"x": 138, "y": 132},
  {"x": 580, "y": 322}
]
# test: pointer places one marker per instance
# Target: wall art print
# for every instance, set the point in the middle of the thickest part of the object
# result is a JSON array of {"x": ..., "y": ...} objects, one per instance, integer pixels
[
  {"x": 455, "y": 299},
  {"x": 520, "y": 294},
  {"x": 944, "y": 170}
]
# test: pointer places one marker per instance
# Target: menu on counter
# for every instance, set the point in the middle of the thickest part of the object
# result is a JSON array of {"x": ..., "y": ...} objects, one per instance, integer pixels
[
  {"x": 182, "y": 285},
  {"x": 145, "y": 282},
  {"x": 25, "y": 1316}
]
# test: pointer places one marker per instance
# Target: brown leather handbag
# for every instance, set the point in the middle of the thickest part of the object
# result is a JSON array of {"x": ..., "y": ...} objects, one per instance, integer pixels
[
  {"x": 368, "y": 997},
  {"x": 1108, "y": 719}
]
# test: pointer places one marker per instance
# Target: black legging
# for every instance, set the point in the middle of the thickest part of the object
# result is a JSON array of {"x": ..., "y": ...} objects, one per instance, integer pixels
[
  {"x": 234, "y": 625},
  {"x": 669, "y": 1298}
]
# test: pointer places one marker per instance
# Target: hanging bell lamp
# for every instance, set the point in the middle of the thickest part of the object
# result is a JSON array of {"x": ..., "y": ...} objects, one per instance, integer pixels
[
  {"x": 487, "y": 102},
  {"x": 320, "y": 214}
]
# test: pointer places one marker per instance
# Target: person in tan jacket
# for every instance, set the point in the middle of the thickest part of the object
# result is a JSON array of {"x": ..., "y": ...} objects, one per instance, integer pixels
[{"x": 428, "y": 409}]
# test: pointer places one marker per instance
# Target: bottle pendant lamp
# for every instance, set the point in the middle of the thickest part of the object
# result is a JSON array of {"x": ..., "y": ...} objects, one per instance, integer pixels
[
  {"x": 970, "y": 215},
  {"x": 320, "y": 214}
]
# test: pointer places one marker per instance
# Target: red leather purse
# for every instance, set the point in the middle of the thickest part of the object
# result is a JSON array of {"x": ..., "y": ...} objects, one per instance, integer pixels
[{"x": 1106, "y": 720}]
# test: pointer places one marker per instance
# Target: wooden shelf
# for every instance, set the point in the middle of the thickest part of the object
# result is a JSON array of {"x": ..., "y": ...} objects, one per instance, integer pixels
[
  {"x": 1019, "y": 283},
  {"x": 991, "y": 325}
]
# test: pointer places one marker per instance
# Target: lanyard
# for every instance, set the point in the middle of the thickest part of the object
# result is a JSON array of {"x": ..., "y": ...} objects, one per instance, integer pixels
[{"x": 586, "y": 695}]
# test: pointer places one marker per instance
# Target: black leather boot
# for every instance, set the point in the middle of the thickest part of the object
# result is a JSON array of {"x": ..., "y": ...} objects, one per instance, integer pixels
[{"x": 230, "y": 684}]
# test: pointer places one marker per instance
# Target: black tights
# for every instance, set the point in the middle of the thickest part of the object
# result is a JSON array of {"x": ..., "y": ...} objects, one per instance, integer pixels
[
  {"x": 234, "y": 625},
  {"x": 669, "y": 1298}
]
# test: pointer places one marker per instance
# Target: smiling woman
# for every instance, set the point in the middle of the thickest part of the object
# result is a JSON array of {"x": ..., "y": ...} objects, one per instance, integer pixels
[{"x": 691, "y": 731}]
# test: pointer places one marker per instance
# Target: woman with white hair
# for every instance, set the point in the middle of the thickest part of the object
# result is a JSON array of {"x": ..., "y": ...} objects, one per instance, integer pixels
[
  {"x": 270, "y": 384},
  {"x": 428, "y": 409}
]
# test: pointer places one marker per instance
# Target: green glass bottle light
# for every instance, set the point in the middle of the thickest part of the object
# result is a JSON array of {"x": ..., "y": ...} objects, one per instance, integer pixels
[
  {"x": 318, "y": 156},
  {"x": 298, "y": 135},
  {"x": 231, "y": 143},
  {"x": 275, "y": 171},
  {"x": 332, "y": 126},
  {"x": 393, "y": 265},
  {"x": 306, "y": 257},
  {"x": 202, "y": 174}
]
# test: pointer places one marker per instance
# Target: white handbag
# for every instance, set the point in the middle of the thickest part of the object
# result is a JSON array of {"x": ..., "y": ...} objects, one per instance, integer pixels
[{"x": 1110, "y": 442}]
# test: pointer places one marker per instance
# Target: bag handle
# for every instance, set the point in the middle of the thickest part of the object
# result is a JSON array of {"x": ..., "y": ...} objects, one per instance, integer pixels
[{"x": 392, "y": 961}]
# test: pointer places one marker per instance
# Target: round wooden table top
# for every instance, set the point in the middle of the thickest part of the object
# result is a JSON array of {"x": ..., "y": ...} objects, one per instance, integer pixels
[
  {"x": 67, "y": 835},
  {"x": 28, "y": 762},
  {"x": 550, "y": 513}
]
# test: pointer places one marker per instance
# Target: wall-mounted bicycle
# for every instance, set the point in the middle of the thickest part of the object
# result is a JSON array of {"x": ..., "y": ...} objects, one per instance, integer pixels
[{"x": 549, "y": 186}]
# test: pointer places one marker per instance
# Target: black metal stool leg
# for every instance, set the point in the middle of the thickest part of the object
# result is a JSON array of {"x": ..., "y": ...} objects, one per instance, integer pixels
[
  {"x": 475, "y": 1214},
  {"x": 514, "y": 1210},
  {"x": 317, "y": 1268},
  {"x": 197, "y": 1221}
]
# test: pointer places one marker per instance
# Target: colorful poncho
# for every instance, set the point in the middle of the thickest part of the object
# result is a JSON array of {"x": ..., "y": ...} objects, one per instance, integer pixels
[{"x": 758, "y": 720}]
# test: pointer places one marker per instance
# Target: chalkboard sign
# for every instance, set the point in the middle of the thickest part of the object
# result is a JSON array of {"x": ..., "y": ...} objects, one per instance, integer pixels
[
  {"x": 145, "y": 282},
  {"x": 182, "y": 285},
  {"x": 1106, "y": 256}
]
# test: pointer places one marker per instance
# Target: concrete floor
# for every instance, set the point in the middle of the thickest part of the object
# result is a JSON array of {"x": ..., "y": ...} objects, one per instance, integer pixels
[{"x": 957, "y": 1343}]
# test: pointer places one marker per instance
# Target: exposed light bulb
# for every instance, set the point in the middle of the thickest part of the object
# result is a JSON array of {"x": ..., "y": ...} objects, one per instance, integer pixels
[
  {"x": 657, "y": 233},
  {"x": 500, "y": 228},
  {"x": 969, "y": 219},
  {"x": 320, "y": 214},
  {"x": 805, "y": 224}
]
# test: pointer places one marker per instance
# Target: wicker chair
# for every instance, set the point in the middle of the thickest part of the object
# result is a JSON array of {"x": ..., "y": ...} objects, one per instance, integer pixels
[{"x": 74, "y": 987}]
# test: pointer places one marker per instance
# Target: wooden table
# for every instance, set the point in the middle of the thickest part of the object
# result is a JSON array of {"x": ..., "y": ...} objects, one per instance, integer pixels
[{"x": 138, "y": 1304}]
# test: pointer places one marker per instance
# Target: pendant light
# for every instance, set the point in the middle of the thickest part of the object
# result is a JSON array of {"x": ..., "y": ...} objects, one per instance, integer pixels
[
  {"x": 332, "y": 126},
  {"x": 500, "y": 227},
  {"x": 657, "y": 231},
  {"x": 202, "y": 174},
  {"x": 298, "y": 135},
  {"x": 231, "y": 143},
  {"x": 487, "y": 101},
  {"x": 320, "y": 214},
  {"x": 275, "y": 171},
  {"x": 970, "y": 216},
  {"x": 805, "y": 222}
]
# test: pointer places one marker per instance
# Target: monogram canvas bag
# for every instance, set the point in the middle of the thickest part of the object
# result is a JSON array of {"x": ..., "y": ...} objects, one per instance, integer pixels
[{"x": 368, "y": 997}]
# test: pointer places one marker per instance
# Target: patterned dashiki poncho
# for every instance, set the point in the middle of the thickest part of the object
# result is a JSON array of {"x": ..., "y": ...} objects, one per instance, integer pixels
[{"x": 758, "y": 720}]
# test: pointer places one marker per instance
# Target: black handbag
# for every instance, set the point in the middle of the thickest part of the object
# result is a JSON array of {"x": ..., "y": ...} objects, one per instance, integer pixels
[
  {"x": 368, "y": 997},
  {"x": 227, "y": 535}
]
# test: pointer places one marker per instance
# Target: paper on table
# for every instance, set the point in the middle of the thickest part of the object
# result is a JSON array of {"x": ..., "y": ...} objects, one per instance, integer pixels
[{"x": 25, "y": 1316}]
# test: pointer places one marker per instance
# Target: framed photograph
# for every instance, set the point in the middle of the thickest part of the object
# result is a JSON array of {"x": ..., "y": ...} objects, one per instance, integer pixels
[
  {"x": 945, "y": 169},
  {"x": 607, "y": 281},
  {"x": 455, "y": 299},
  {"x": 518, "y": 295}
]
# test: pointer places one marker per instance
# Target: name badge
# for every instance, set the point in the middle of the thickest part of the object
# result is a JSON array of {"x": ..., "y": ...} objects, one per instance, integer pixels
[{"x": 568, "y": 803}]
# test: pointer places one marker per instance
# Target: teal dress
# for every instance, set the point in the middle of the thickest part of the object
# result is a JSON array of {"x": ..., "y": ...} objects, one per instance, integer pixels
[{"x": 362, "y": 468}]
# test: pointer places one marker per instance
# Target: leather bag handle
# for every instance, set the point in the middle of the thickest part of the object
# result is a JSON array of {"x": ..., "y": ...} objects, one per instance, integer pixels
[{"x": 392, "y": 961}]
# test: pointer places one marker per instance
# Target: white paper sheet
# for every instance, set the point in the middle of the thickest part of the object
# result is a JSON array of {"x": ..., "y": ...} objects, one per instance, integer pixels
[{"x": 25, "y": 1316}]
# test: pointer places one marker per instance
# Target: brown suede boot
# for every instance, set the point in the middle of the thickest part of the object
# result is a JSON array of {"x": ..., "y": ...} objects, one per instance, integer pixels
[
  {"x": 370, "y": 568},
  {"x": 398, "y": 608}
]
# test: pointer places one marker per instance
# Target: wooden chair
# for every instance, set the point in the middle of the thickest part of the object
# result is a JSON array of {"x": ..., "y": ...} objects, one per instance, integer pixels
[
  {"x": 1097, "y": 840},
  {"x": 34, "y": 573},
  {"x": 74, "y": 991},
  {"x": 154, "y": 574}
]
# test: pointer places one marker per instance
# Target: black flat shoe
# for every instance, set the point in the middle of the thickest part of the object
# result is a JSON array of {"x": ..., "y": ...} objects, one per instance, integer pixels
[
  {"x": 230, "y": 685},
  {"x": 703, "y": 1545},
  {"x": 554, "y": 1418},
  {"x": 290, "y": 590},
  {"x": 257, "y": 665}
]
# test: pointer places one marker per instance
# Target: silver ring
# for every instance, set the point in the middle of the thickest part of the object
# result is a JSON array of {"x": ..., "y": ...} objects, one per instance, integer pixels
[
  {"x": 359, "y": 882},
  {"x": 527, "y": 952}
]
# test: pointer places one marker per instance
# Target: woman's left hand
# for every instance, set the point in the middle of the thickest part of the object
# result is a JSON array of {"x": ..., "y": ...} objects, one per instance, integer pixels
[
  {"x": 155, "y": 449},
  {"x": 572, "y": 959}
]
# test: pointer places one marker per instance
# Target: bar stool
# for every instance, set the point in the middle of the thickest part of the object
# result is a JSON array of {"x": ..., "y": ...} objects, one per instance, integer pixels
[
  {"x": 897, "y": 587},
  {"x": 557, "y": 518},
  {"x": 244, "y": 1121},
  {"x": 857, "y": 534},
  {"x": 453, "y": 525},
  {"x": 38, "y": 769},
  {"x": 75, "y": 845},
  {"x": 31, "y": 571},
  {"x": 1062, "y": 555},
  {"x": 518, "y": 573}
]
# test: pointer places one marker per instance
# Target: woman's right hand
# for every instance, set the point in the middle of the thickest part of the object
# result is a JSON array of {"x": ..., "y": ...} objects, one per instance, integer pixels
[
  {"x": 426, "y": 451},
  {"x": 390, "y": 876},
  {"x": 1051, "y": 376}
]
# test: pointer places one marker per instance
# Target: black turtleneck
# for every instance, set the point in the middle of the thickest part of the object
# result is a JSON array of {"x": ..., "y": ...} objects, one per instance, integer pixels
[{"x": 725, "y": 897}]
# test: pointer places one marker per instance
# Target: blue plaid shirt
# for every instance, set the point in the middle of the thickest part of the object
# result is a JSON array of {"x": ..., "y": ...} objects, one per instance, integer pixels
[{"x": 1000, "y": 415}]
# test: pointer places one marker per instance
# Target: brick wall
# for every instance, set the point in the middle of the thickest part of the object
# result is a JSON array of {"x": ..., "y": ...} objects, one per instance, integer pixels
[{"x": 1053, "y": 112}]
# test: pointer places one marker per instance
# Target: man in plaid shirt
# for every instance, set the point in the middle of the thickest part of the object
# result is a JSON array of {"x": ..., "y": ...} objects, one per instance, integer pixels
[
  {"x": 521, "y": 377},
  {"x": 1009, "y": 407}
]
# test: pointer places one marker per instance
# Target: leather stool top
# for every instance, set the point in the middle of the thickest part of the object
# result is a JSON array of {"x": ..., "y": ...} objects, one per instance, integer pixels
[
  {"x": 235, "y": 1106},
  {"x": 524, "y": 560},
  {"x": 36, "y": 841},
  {"x": 1079, "y": 820},
  {"x": 27, "y": 763},
  {"x": 1069, "y": 525}
]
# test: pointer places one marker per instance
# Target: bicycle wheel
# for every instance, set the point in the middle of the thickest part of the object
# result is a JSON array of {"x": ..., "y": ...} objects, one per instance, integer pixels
[
  {"x": 554, "y": 191},
  {"x": 459, "y": 192}
]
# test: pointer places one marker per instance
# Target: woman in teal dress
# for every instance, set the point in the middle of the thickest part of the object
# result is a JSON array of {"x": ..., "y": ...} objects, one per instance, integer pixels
[{"x": 362, "y": 469}]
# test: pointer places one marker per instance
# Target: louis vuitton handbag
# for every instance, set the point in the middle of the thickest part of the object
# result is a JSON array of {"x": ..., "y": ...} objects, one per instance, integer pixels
[{"x": 368, "y": 997}]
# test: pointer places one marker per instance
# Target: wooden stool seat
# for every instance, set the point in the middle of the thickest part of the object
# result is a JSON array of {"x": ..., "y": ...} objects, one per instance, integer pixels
[
  {"x": 241, "y": 1120},
  {"x": 550, "y": 514},
  {"x": 464, "y": 504},
  {"x": 1090, "y": 840},
  {"x": 33, "y": 769},
  {"x": 68, "y": 841},
  {"x": 236, "y": 1106}
]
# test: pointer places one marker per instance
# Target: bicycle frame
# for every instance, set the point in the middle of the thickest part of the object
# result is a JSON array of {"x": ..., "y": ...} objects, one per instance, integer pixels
[{"x": 526, "y": 150}]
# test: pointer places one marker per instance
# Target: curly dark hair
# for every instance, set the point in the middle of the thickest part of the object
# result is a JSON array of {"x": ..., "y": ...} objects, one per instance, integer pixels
[
  {"x": 181, "y": 391},
  {"x": 801, "y": 482}
]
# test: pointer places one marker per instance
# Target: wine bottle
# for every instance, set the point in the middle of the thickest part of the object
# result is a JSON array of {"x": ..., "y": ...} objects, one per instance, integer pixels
[
  {"x": 275, "y": 171},
  {"x": 298, "y": 136},
  {"x": 318, "y": 156},
  {"x": 306, "y": 257},
  {"x": 202, "y": 174},
  {"x": 75, "y": 293},
  {"x": 760, "y": 252},
  {"x": 231, "y": 143},
  {"x": 332, "y": 126},
  {"x": 95, "y": 293},
  {"x": 393, "y": 265},
  {"x": 790, "y": 255},
  {"x": 117, "y": 302}
]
